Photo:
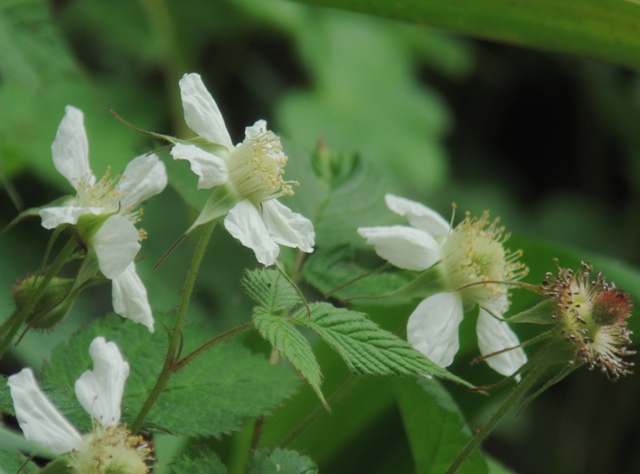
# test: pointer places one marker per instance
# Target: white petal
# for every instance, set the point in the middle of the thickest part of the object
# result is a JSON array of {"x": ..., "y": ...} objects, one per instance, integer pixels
[
  {"x": 39, "y": 419},
  {"x": 130, "y": 297},
  {"x": 419, "y": 216},
  {"x": 211, "y": 169},
  {"x": 433, "y": 327},
  {"x": 245, "y": 223},
  {"x": 254, "y": 130},
  {"x": 495, "y": 335},
  {"x": 115, "y": 244},
  {"x": 144, "y": 176},
  {"x": 201, "y": 112},
  {"x": 403, "y": 246},
  {"x": 286, "y": 227},
  {"x": 100, "y": 390},
  {"x": 52, "y": 217},
  {"x": 70, "y": 149}
]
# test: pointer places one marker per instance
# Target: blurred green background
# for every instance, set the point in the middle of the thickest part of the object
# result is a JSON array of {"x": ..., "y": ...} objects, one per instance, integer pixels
[{"x": 546, "y": 141}]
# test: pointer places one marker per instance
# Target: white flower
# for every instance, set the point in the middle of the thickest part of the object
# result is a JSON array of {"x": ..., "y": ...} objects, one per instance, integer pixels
[
  {"x": 116, "y": 241},
  {"x": 468, "y": 254},
  {"x": 252, "y": 170},
  {"x": 99, "y": 391}
]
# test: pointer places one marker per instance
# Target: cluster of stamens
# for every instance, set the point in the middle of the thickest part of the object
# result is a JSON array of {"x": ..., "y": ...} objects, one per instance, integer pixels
[
  {"x": 475, "y": 253},
  {"x": 113, "y": 450},
  {"x": 256, "y": 168},
  {"x": 592, "y": 314}
]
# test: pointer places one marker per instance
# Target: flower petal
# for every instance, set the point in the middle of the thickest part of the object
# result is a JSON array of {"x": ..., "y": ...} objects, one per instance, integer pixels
[
  {"x": 39, "y": 419},
  {"x": 433, "y": 327},
  {"x": 115, "y": 244},
  {"x": 201, "y": 112},
  {"x": 494, "y": 336},
  {"x": 287, "y": 227},
  {"x": 130, "y": 297},
  {"x": 70, "y": 149},
  {"x": 419, "y": 216},
  {"x": 100, "y": 390},
  {"x": 144, "y": 176},
  {"x": 52, "y": 217},
  {"x": 211, "y": 169},
  {"x": 245, "y": 223},
  {"x": 403, "y": 246}
]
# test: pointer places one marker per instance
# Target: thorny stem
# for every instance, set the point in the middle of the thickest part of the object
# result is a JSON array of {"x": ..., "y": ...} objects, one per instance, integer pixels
[
  {"x": 174, "y": 340},
  {"x": 22, "y": 316},
  {"x": 474, "y": 442}
]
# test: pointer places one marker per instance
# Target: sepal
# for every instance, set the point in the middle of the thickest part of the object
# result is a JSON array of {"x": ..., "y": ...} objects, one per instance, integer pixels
[{"x": 219, "y": 204}]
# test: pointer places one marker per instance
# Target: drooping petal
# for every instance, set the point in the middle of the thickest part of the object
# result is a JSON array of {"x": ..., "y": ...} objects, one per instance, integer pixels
[
  {"x": 211, "y": 169},
  {"x": 403, "y": 246},
  {"x": 52, "y": 217},
  {"x": 245, "y": 223},
  {"x": 201, "y": 112},
  {"x": 115, "y": 244},
  {"x": 494, "y": 336},
  {"x": 287, "y": 227},
  {"x": 129, "y": 297},
  {"x": 39, "y": 419},
  {"x": 70, "y": 149},
  {"x": 100, "y": 390},
  {"x": 419, "y": 216},
  {"x": 433, "y": 327},
  {"x": 144, "y": 176}
]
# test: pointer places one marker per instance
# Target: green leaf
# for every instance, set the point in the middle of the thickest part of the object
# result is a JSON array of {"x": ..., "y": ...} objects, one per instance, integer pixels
[
  {"x": 198, "y": 460},
  {"x": 280, "y": 461},
  {"x": 365, "y": 347},
  {"x": 12, "y": 460},
  {"x": 292, "y": 345},
  {"x": 228, "y": 384},
  {"x": 603, "y": 29},
  {"x": 434, "y": 425},
  {"x": 270, "y": 290}
]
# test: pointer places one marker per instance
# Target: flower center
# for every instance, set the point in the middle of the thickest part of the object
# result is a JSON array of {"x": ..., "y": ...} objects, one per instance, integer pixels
[
  {"x": 112, "y": 450},
  {"x": 256, "y": 167},
  {"x": 474, "y": 253},
  {"x": 102, "y": 194}
]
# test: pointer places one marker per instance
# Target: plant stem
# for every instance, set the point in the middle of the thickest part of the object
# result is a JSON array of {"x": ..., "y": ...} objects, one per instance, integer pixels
[
  {"x": 176, "y": 332},
  {"x": 22, "y": 316},
  {"x": 474, "y": 442}
]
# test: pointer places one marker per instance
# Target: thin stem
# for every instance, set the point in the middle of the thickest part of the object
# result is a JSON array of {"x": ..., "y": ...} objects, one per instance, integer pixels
[
  {"x": 518, "y": 392},
  {"x": 360, "y": 277},
  {"x": 22, "y": 316},
  {"x": 174, "y": 340},
  {"x": 257, "y": 428}
]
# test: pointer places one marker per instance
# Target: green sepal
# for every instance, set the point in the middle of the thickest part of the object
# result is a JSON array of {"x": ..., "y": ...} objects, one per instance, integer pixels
[
  {"x": 88, "y": 225},
  {"x": 556, "y": 351},
  {"x": 541, "y": 313},
  {"x": 427, "y": 283},
  {"x": 34, "y": 212},
  {"x": 58, "y": 466},
  {"x": 53, "y": 305},
  {"x": 219, "y": 203}
]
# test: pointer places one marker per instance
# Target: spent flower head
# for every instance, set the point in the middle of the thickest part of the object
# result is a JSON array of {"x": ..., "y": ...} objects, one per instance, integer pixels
[
  {"x": 251, "y": 171},
  {"x": 110, "y": 447},
  {"x": 473, "y": 266},
  {"x": 103, "y": 212},
  {"x": 593, "y": 317}
]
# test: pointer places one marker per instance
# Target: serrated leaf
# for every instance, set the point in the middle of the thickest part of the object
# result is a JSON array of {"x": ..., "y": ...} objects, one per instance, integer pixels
[
  {"x": 435, "y": 427},
  {"x": 198, "y": 460},
  {"x": 292, "y": 345},
  {"x": 270, "y": 289},
  {"x": 331, "y": 268},
  {"x": 12, "y": 460},
  {"x": 365, "y": 347},
  {"x": 227, "y": 384},
  {"x": 280, "y": 461}
]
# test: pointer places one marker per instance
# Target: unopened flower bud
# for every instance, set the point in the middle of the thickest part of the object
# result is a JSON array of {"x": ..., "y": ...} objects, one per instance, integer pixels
[{"x": 53, "y": 305}]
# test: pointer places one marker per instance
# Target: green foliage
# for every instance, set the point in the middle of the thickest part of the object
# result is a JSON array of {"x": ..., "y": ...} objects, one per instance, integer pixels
[
  {"x": 227, "y": 384},
  {"x": 602, "y": 29},
  {"x": 280, "y": 461},
  {"x": 270, "y": 290},
  {"x": 292, "y": 345},
  {"x": 12, "y": 461},
  {"x": 198, "y": 460},
  {"x": 366, "y": 348},
  {"x": 434, "y": 425}
]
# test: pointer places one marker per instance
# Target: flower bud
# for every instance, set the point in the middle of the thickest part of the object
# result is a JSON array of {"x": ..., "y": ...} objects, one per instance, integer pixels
[{"x": 53, "y": 305}]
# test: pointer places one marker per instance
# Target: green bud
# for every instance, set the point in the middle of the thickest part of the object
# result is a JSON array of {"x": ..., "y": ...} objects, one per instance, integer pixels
[{"x": 52, "y": 307}]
